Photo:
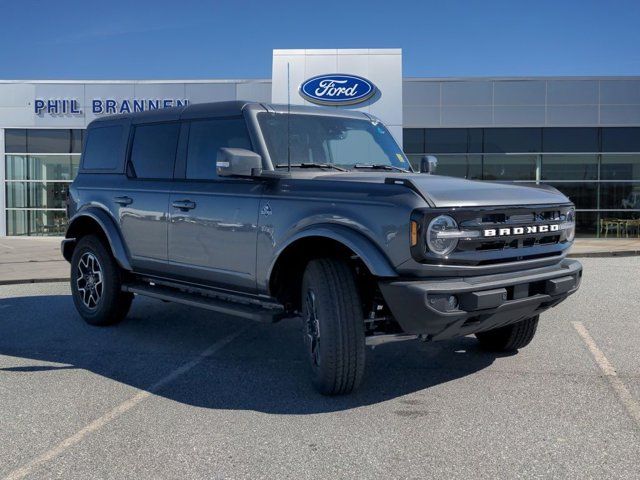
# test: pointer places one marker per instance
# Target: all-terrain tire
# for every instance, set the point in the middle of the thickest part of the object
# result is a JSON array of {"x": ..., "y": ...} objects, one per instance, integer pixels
[
  {"x": 509, "y": 338},
  {"x": 331, "y": 308},
  {"x": 96, "y": 283}
]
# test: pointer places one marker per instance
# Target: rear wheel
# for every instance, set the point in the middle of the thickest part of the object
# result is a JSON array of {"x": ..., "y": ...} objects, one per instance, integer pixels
[
  {"x": 509, "y": 338},
  {"x": 96, "y": 283},
  {"x": 333, "y": 326}
]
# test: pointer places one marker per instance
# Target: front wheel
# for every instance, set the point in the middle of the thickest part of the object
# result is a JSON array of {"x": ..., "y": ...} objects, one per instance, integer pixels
[
  {"x": 333, "y": 326},
  {"x": 96, "y": 283},
  {"x": 509, "y": 338}
]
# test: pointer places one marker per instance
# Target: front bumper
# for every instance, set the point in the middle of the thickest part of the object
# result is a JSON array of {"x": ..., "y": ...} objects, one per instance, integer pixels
[{"x": 479, "y": 303}]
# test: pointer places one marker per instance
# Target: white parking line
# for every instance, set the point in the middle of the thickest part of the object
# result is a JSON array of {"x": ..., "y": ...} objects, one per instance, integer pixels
[
  {"x": 119, "y": 410},
  {"x": 630, "y": 403}
]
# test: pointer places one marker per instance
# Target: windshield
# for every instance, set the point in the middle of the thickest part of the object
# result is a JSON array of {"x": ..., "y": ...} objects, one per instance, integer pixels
[{"x": 326, "y": 140}]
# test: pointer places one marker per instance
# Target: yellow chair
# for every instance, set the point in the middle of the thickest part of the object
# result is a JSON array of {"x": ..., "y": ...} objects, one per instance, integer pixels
[
  {"x": 633, "y": 224},
  {"x": 607, "y": 224}
]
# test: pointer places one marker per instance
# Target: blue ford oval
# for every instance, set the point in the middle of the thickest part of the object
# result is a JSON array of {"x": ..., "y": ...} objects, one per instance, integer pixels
[{"x": 337, "y": 89}]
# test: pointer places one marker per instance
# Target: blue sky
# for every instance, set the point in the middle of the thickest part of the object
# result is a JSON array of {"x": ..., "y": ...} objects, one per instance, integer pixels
[{"x": 136, "y": 39}]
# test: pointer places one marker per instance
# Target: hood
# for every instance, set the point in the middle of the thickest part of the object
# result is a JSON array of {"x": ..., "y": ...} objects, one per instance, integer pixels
[{"x": 457, "y": 192}]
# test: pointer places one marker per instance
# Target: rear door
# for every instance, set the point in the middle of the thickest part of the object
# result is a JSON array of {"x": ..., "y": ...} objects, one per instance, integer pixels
[
  {"x": 213, "y": 220},
  {"x": 144, "y": 200}
]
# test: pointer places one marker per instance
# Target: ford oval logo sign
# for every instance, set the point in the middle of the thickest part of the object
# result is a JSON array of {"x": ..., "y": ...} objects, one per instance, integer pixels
[{"x": 337, "y": 89}]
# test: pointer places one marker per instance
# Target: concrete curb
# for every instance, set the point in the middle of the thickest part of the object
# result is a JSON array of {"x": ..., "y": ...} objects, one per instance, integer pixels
[
  {"x": 23, "y": 281},
  {"x": 622, "y": 253}
]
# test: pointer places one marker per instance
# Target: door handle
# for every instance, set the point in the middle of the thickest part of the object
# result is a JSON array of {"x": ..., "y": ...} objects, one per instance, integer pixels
[
  {"x": 124, "y": 200},
  {"x": 184, "y": 204}
]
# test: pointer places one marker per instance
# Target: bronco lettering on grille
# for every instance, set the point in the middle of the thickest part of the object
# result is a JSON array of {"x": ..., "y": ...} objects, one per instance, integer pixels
[{"x": 526, "y": 230}]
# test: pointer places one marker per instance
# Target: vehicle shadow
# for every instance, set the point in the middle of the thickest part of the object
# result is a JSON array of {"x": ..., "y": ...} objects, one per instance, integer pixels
[{"x": 263, "y": 369}]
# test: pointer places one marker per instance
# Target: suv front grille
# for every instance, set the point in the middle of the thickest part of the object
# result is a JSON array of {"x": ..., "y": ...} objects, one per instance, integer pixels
[
  {"x": 506, "y": 234},
  {"x": 497, "y": 220}
]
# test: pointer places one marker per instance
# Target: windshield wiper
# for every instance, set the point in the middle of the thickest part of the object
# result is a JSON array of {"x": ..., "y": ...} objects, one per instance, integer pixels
[
  {"x": 381, "y": 167},
  {"x": 312, "y": 165}
]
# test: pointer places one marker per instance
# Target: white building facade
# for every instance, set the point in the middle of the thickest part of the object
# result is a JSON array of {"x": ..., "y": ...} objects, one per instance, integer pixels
[{"x": 580, "y": 134}]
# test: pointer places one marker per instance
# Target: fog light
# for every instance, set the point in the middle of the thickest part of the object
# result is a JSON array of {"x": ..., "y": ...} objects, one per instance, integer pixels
[
  {"x": 444, "y": 303},
  {"x": 452, "y": 302}
]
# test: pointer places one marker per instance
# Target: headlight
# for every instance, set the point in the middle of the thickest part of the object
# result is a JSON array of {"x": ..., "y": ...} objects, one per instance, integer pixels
[
  {"x": 570, "y": 225},
  {"x": 437, "y": 242}
]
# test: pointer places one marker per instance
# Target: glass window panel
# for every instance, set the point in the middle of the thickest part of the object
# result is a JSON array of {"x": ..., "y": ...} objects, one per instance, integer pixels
[
  {"x": 49, "y": 168},
  {"x": 77, "y": 137},
  {"x": 583, "y": 195},
  {"x": 16, "y": 167},
  {"x": 42, "y": 167},
  {"x": 154, "y": 150},
  {"x": 413, "y": 140},
  {"x": 17, "y": 195},
  {"x": 569, "y": 167},
  {"x": 463, "y": 166},
  {"x": 446, "y": 140},
  {"x": 620, "y": 167},
  {"x": 619, "y": 224},
  {"x": 206, "y": 137},
  {"x": 509, "y": 167},
  {"x": 36, "y": 194},
  {"x": 587, "y": 224},
  {"x": 622, "y": 196},
  {"x": 75, "y": 166},
  {"x": 570, "y": 140},
  {"x": 616, "y": 224},
  {"x": 512, "y": 140},
  {"x": 103, "y": 148},
  {"x": 475, "y": 138},
  {"x": 15, "y": 140},
  {"x": 48, "y": 141},
  {"x": 36, "y": 222},
  {"x": 624, "y": 139}
]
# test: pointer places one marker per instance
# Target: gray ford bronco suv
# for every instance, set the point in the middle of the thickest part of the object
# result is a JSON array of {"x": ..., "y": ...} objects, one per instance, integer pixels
[{"x": 266, "y": 212}]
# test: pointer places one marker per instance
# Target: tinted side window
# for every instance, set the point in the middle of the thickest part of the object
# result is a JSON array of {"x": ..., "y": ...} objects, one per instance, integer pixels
[
  {"x": 15, "y": 140},
  {"x": 154, "y": 150},
  {"x": 512, "y": 140},
  {"x": 626, "y": 139},
  {"x": 206, "y": 137},
  {"x": 38, "y": 140},
  {"x": 413, "y": 140},
  {"x": 48, "y": 141},
  {"x": 77, "y": 137},
  {"x": 447, "y": 140},
  {"x": 566, "y": 139},
  {"x": 103, "y": 148}
]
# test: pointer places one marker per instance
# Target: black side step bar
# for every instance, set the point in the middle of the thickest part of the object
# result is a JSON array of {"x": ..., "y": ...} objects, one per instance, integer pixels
[{"x": 263, "y": 313}]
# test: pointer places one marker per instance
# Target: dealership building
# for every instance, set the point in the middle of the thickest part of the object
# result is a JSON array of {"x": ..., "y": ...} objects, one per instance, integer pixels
[{"x": 579, "y": 134}]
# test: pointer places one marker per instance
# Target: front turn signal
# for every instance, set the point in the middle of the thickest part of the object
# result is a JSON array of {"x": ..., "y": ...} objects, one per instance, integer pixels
[{"x": 414, "y": 233}]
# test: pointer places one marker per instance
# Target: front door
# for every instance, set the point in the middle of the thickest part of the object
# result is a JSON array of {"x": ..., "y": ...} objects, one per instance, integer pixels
[
  {"x": 213, "y": 232},
  {"x": 213, "y": 221}
]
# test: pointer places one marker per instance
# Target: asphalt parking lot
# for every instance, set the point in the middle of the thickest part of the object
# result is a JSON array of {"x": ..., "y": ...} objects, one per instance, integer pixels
[{"x": 175, "y": 392}]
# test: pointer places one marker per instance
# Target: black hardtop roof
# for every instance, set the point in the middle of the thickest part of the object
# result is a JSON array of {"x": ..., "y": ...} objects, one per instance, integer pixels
[{"x": 216, "y": 109}]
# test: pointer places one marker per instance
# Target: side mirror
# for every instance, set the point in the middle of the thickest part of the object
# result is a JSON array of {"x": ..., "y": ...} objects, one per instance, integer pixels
[
  {"x": 428, "y": 164},
  {"x": 238, "y": 162}
]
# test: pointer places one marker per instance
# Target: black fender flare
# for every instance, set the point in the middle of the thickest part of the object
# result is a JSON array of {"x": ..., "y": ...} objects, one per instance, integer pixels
[
  {"x": 109, "y": 229},
  {"x": 374, "y": 259}
]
